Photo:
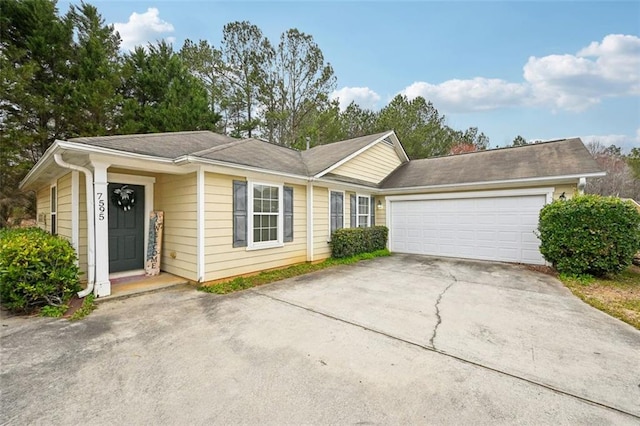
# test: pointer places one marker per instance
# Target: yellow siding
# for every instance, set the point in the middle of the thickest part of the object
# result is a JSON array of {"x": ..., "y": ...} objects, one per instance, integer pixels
[
  {"x": 176, "y": 196},
  {"x": 373, "y": 165},
  {"x": 221, "y": 258},
  {"x": 64, "y": 206},
  {"x": 381, "y": 214},
  {"x": 569, "y": 191},
  {"x": 82, "y": 219},
  {"x": 321, "y": 249},
  {"x": 43, "y": 208}
]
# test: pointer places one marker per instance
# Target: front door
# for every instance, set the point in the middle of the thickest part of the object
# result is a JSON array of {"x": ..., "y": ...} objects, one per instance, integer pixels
[{"x": 126, "y": 227}]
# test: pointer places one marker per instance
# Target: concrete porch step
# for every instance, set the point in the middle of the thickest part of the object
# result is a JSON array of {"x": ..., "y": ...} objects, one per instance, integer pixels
[{"x": 137, "y": 285}]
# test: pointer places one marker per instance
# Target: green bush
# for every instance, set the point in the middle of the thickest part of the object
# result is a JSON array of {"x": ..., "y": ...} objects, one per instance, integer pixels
[
  {"x": 37, "y": 269},
  {"x": 347, "y": 242},
  {"x": 589, "y": 234}
]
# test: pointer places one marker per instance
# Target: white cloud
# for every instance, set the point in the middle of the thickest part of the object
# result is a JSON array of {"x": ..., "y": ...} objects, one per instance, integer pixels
[
  {"x": 564, "y": 81},
  {"x": 143, "y": 28},
  {"x": 478, "y": 94},
  {"x": 362, "y": 96}
]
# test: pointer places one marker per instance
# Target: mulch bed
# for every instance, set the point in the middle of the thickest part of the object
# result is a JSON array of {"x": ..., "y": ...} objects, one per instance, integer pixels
[
  {"x": 543, "y": 269},
  {"x": 74, "y": 304}
]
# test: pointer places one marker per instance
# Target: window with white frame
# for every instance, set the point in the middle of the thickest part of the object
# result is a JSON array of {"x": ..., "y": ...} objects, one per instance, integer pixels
[
  {"x": 54, "y": 210},
  {"x": 364, "y": 211},
  {"x": 266, "y": 223}
]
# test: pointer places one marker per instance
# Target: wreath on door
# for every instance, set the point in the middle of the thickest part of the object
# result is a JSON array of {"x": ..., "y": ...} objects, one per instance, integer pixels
[{"x": 123, "y": 197}]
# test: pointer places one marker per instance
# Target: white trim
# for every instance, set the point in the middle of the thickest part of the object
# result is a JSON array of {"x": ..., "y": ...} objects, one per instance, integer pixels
[
  {"x": 353, "y": 155},
  {"x": 251, "y": 245},
  {"x": 343, "y": 209},
  {"x": 75, "y": 212},
  {"x": 148, "y": 183},
  {"x": 310, "y": 222},
  {"x": 368, "y": 197},
  {"x": 125, "y": 274},
  {"x": 100, "y": 190},
  {"x": 472, "y": 185},
  {"x": 200, "y": 178},
  {"x": 473, "y": 194}
]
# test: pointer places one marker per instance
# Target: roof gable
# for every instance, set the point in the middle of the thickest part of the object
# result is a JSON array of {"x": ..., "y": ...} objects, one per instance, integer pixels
[{"x": 323, "y": 159}]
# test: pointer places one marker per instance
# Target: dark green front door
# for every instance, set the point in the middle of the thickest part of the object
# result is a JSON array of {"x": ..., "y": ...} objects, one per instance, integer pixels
[{"x": 126, "y": 227}]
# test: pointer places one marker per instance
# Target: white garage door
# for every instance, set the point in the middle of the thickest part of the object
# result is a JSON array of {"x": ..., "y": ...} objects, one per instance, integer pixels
[{"x": 496, "y": 228}]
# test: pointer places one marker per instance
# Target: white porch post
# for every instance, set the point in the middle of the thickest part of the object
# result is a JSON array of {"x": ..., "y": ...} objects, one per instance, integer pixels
[{"x": 101, "y": 200}]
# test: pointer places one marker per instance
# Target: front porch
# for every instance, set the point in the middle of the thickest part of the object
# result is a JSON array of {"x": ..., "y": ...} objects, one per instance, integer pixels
[{"x": 138, "y": 284}]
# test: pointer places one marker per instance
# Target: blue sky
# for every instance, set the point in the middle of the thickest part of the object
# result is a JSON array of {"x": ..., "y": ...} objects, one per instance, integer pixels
[{"x": 544, "y": 70}]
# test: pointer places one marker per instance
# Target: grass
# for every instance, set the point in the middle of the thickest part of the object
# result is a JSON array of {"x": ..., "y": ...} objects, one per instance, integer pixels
[
  {"x": 88, "y": 305},
  {"x": 243, "y": 283},
  {"x": 618, "y": 296}
]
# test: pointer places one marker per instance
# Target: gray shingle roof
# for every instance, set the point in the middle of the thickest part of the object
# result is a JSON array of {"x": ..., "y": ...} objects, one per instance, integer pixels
[
  {"x": 557, "y": 158},
  {"x": 547, "y": 159},
  {"x": 165, "y": 145},
  {"x": 321, "y": 157},
  {"x": 260, "y": 154}
]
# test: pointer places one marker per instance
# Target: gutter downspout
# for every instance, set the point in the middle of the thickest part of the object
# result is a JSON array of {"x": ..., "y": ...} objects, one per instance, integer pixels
[
  {"x": 310, "y": 256},
  {"x": 91, "y": 255}
]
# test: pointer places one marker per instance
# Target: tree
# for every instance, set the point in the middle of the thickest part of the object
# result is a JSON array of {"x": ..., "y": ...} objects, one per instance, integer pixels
[
  {"x": 633, "y": 160},
  {"x": 620, "y": 180},
  {"x": 205, "y": 63},
  {"x": 95, "y": 73},
  {"x": 356, "y": 121},
  {"x": 462, "y": 148},
  {"x": 418, "y": 125},
  {"x": 306, "y": 81},
  {"x": 519, "y": 141},
  {"x": 35, "y": 83},
  {"x": 160, "y": 95},
  {"x": 244, "y": 51},
  {"x": 321, "y": 125}
]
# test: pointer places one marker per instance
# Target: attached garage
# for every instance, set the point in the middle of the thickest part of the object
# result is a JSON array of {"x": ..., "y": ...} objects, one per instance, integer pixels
[{"x": 489, "y": 225}]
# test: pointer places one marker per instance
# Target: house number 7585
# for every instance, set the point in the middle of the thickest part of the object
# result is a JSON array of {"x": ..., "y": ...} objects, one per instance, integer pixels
[{"x": 101, "y": 206}]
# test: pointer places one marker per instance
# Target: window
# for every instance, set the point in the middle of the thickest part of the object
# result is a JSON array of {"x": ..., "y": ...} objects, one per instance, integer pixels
[
  {"x": 266, "y": 213},
  {"x": 364, "y": 211},
  {"x": 268, "y": 220},
  {"x": 336, "y": 210},
  {"x": 54, "y": 210}
]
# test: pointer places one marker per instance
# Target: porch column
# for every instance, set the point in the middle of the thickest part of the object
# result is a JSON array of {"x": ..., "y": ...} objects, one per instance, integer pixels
[{"x": 101, "y": 200}]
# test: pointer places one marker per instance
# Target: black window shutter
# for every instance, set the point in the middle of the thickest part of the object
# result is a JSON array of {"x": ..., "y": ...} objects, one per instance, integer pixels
[
  {"x": 239, "y": 213},
  {"x": 288, "y": 214},
  {"x": 372, "y": 209},
  {"x": 354, "y": 210},
  {"x": 337, "y": 210}
]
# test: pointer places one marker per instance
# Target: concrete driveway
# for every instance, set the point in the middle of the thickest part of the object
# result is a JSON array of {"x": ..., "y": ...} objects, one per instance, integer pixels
[{"x": 399, "y": 340}]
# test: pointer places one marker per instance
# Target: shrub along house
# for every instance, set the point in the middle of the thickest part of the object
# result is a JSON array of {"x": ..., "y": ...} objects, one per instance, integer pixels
[{"x": 236, "y": 206}]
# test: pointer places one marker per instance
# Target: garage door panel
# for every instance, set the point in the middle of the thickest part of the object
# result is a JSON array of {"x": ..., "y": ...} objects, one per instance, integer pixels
[{"x": 492, "y": 228}]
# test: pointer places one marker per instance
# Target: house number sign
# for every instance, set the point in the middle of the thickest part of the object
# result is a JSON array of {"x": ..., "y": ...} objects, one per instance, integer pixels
[{"x": 101, "y": 206}]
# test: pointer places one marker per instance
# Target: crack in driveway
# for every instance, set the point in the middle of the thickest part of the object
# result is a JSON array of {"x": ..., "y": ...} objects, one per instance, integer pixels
[
  {"x": 459, "y": 358},
  {"x": 438, "y": 316}
]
